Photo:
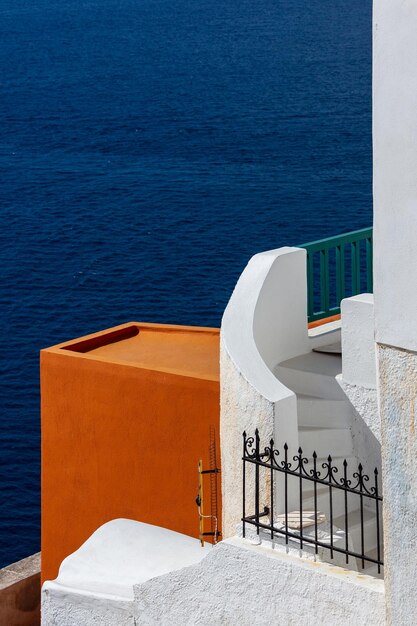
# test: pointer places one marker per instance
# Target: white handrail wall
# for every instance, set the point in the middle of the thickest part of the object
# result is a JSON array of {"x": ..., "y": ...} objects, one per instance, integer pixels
[{"x": 265, "y": 322}]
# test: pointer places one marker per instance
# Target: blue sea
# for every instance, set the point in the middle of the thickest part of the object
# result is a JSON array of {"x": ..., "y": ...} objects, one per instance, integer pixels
[{"x": 148, "y": 148}]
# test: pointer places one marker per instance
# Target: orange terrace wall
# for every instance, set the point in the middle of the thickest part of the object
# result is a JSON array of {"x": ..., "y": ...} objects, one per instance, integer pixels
[{"x": 126, "y": 415}]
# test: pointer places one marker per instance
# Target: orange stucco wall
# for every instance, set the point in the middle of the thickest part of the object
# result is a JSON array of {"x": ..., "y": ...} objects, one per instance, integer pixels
[{"x": 125, "y": 418}]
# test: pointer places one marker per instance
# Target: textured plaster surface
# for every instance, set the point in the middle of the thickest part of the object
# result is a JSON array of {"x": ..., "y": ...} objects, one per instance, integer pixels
[
  {"x": 365, "y": 402},
  {"x": 365, "y": 424},
  {"x": 243, "y": 408},
  {"x": 264, "y": 323},
  {"x": 240, "y": 584},
  {"x": 63, "y": 607},
  {"x": 398, "y": 404}
]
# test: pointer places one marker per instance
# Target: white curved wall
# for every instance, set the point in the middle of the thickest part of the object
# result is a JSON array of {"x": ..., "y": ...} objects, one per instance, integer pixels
[
  {"x": 265, "y": 322},
  {"x": 280, "y": 316}
]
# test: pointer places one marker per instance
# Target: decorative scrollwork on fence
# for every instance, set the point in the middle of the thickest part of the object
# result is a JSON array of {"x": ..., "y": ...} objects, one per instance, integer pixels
[
  {"x": 300, "y": 465},
  {"x": 318, "y": 473}
]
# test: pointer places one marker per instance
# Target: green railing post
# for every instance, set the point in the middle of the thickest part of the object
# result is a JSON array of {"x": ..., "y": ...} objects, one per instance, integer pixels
[
  {"x": 340, "y": 273},
  {"x": 356, "y": 267},
  {"x": 310, "y": 286},
  {"x": 322, "y": 282},
  {"x": 369, "y": 264}
]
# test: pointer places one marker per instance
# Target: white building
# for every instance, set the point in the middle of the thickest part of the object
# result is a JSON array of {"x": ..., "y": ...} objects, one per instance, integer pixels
[{"x": 346, "y": 388}]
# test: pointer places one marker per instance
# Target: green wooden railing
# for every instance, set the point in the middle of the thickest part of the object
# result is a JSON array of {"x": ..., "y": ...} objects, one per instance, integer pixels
[{"x": 337, "y": 267}]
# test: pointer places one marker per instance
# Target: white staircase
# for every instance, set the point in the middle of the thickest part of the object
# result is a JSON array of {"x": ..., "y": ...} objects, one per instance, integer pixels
[{"x": 324, "y": 426}]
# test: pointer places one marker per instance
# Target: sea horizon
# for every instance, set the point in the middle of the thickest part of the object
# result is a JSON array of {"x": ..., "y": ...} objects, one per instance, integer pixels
[{"x": 148, "y": 150}]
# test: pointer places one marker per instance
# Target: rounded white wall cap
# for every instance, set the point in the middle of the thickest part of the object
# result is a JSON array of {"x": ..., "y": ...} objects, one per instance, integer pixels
[
  {"x": 122, "y": 553},
  {"x": 265, "y": 321}
]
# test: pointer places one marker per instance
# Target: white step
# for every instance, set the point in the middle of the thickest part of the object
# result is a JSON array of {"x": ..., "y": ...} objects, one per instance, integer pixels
[
  {"x": 354, "y": 529},
  {"x": 324, "y": 420},
  {"x": 323, "y": 501},
  {"x": 317, "y": 363},
  {"x": 338, "y": 473},
  {"x": 312, "y": 374},
  {"x": 325, "y": 441},
  {"x": 313, "y": 411},
  {"x": 327, "y": 535},
  {"x": 354, "y": 537},
  {"x": 371, "y": 570},
  {"x": 330, "y": 348}
]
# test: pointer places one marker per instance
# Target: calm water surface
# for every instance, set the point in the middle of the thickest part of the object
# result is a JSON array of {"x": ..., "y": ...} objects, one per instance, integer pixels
[{"x": 148, "y": 148}]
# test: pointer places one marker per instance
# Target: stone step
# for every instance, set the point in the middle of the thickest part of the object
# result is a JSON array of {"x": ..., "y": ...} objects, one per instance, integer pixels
[
  {"x": 323, "y": 500},
  {"x": 354, "y": 530},
  {"x": 327, "y": 534},
  {"x": 321, "y": 412},
  {"x": 293, "y": 484},
  {"x": 325, "y": 441},
  {"x": 312, "y": 374},
  {"x": 371, "y": 569},
  {"x": 330, "y": 348},
  {"x": 337, "y": 464}
]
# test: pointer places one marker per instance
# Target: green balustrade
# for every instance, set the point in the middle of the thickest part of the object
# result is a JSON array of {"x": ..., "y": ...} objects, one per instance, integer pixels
[{"x": 337, "y": 267}]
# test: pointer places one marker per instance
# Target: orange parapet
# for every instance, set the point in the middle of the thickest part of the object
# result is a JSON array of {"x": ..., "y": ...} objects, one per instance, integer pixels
[
  {"x": 326, "y": 320},
  {"x": 126, "y": 416}
]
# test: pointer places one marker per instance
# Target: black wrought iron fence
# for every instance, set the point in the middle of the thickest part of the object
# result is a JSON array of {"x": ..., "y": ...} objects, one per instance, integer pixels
[{"x": 319, "y": 476}]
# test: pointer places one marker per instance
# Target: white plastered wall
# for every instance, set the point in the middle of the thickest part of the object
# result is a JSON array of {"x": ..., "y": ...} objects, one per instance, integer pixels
[
  {"x": 395, "y": 280},
  {"x": 358, "y": 341},
  {"x": 95, "y": 583},
  {"x": 358, "y": 378},
  {"x": 264, "y": 323},
  {"x": 240, "y": 584},
  {"x": 395, "y": 166}
]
